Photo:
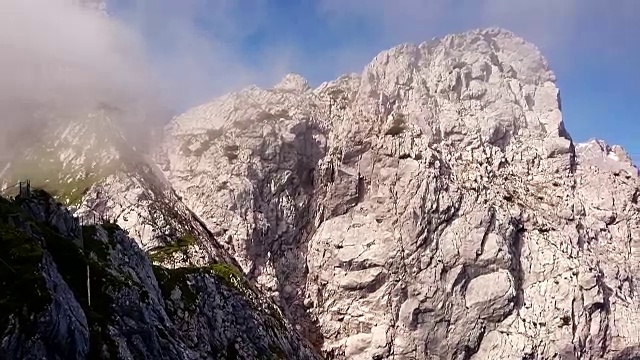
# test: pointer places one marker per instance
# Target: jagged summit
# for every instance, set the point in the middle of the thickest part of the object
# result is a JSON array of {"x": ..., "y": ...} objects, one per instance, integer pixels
[
  {"x": 614, "y": 158},
  {"x": 293, "y": 82},
  {"x": 431, "y": 207}
]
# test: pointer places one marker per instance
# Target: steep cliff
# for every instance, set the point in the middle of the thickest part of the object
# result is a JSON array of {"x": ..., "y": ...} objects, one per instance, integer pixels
[
  {"x": 431, "y": 207},
  {"x": 128, "y": 309}
]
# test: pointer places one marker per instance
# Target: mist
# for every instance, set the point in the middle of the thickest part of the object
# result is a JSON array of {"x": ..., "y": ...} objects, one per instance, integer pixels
[
  {"x": 58, "y": 60},
  {"x": 195, "y": 46},
  {"x": 66, "y": 57},
  {"x": 159, "y": 57},
  {"x": 61, "y": 60}
]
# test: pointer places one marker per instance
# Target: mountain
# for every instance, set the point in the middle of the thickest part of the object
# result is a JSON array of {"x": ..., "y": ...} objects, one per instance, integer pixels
[
  {"x": 127, "y": 308},
  {"x": 431, "y": 207}
]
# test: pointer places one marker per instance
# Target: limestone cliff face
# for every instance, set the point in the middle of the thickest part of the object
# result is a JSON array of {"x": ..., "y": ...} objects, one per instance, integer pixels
[{"x": 431, "y": 207}]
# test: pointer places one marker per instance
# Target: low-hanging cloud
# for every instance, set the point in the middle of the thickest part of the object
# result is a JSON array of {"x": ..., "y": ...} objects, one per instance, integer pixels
[
  {"x": 64, "y": 56},
  {"x": 177, "y": 54},
  {"x": 59, "y": 59}
]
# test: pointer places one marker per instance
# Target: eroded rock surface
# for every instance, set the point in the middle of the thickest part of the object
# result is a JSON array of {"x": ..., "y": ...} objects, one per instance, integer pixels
[{"x": 431, "y": 207}]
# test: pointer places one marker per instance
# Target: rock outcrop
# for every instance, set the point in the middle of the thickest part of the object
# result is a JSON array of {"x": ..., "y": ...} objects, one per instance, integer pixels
[
  {"x": 128, "y": 309},
  {"x": 432, "y": 207}
]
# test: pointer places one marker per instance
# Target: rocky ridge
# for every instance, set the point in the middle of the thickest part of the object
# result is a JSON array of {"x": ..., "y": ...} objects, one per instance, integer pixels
[
  {"x": 129, "y": 309},
  {"x": 432, "y": 207}
]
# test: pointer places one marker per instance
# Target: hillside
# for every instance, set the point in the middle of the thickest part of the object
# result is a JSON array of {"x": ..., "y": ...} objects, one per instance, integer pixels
[{"x": 129, "y": 308}]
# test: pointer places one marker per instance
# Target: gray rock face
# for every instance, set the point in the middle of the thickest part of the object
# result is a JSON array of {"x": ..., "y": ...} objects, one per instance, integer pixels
[
  {"x": 130, "y": 309},
  {"x": 431, "y": 207},
  {"x": 139, "y": 199}
]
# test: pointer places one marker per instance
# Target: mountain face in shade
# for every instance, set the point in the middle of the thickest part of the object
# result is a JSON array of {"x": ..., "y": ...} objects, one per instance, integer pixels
[
  {"x": 431, "y": 207},
  {"x": 129, "y": 308}
]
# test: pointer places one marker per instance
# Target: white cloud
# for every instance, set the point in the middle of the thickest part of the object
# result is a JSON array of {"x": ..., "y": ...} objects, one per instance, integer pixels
[{"x": 59, "y": 58}]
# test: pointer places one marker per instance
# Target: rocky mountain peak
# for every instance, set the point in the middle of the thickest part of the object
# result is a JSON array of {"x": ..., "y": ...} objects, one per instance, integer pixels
[
  {"x": 599, "y": 154},
  {"x": 293, "y": 82},
  {"x": 431, "y": 207}
]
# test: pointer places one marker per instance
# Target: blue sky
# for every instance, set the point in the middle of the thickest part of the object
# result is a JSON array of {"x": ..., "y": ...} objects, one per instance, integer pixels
[{"x": 209, "y": 47}]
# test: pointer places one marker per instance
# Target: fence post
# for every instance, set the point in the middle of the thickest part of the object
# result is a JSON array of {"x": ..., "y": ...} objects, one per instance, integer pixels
[{"x": 88, "y": 285}]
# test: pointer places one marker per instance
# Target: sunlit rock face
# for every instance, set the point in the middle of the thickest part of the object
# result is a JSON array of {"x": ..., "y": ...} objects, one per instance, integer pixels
[{"x": 431, "y": 207}]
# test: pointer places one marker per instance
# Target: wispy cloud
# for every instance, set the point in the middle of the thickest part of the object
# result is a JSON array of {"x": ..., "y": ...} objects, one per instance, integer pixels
[
  {"x": 55, "y": 53},
  {"x": 183, "y": 53},
  {"x": 195, "y": 46},
  {"x": 57, "y": 58}
]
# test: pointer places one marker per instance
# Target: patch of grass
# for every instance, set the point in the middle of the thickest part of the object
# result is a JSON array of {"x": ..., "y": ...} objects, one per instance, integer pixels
[
  {"x": 71, "y": 192},
  {"x": 160, "y": 254},
  {"x": 65, "y": 184},
  {"x": 229, "y": 275},
  {"x": 169, "y": 279},
  {"x": 23, "y": 291},
  {"x": 232, "y": 278}
]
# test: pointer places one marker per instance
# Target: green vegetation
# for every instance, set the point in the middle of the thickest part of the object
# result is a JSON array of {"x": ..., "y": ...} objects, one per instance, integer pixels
[
  {"x": 72, "y": 264},
  {"x": 231, "y": 277},
  {"x": 71, "y": 192},
  {"x": 160, "y": 254},
  {"x": 67, "y": 191},
  {"x": 169, "y": 279},
  {"x": 24, "y": 293},
  {"x": 228, "y": 275},
  {"x": 105, "y": 285},
  {"x": 47, "y": 172}
]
